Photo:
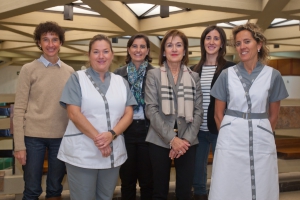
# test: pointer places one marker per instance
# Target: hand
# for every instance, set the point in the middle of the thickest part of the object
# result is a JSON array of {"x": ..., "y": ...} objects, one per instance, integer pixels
[
  {"x": 106, "y": 151},
  {"x": 103, "y": 139},
  {"x": 180, "y": 145},
  {"x": 173, "y": 154},
  {"x": 21, "y": 156}
]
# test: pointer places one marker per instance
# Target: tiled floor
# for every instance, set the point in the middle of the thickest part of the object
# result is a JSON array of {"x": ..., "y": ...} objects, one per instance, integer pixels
[{"x": 295, "y": 195}]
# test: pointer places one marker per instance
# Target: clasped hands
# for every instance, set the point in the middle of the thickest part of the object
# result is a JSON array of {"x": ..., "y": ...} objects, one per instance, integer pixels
[
  {"x": 102, "y": 142},
  {"x": 179, "y": 147}
]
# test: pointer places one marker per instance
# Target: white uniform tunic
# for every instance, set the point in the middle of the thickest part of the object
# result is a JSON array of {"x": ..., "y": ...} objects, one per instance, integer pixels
[
  {"x": 245, "y": 160},
  {"x": 79, "y": 150}
]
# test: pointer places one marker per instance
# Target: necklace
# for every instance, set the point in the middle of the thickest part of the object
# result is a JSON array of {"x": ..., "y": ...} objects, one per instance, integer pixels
[{"x": 175, "y": 75}]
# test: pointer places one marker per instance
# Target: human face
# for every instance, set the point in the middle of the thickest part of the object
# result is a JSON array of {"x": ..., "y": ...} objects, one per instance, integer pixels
[
  {"x": 174, "y": 49},
  {"x": 50, "y": 44},
  {"x": 100, "y": 56},
  {"x": 212, "y": 43},
  {"x": 138, "y": 51},
  {"x": 247, "y": 46}
]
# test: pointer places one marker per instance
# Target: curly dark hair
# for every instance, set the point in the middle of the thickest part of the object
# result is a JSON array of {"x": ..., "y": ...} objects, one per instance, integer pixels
[{"x": 47, "y": 27}]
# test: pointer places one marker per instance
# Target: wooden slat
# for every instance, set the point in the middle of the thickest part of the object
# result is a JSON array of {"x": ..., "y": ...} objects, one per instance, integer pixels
[
  {"x": 289, "y": 152},
  {"x": 4, "y": 123},
  {"x": 7, "y": 98},
  {"x": 2, "y": 174},
  {"x": 287, "y": 142}
]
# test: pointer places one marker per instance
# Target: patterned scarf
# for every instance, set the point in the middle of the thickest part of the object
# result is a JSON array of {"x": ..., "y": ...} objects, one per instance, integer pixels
[
  {"x": 185, "y": 96},
  {"x": 135, "y": 78}
]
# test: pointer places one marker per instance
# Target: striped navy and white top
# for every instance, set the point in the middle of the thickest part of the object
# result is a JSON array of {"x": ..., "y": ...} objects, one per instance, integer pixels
[{"x": 207, "y": 75}]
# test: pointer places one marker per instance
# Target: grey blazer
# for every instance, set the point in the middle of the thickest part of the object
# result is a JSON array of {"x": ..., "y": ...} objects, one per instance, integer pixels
[{"x": 161, "y": 130}]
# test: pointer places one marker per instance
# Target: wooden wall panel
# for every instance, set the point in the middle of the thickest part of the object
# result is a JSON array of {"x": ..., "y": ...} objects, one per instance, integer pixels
[
  {"x": 273, "y": 63},
  {"x": 284, "y": 66},
  {"x": 296, "y": 67}
]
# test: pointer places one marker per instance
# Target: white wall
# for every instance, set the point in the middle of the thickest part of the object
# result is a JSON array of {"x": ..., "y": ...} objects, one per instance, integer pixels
[
  {"x": 292, "y": 84},
  {"x": 8, "y": 79}
]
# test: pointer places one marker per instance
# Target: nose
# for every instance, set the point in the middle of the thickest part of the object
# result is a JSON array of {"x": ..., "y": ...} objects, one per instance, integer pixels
[
  {"x": 174, "y": 48},
  {"x": 50, "y": 43},
  {"x": 101, "y": 54}
]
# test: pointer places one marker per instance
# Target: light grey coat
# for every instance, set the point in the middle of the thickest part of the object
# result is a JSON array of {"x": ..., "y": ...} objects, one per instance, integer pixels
[{"x": 161, "y": 130}]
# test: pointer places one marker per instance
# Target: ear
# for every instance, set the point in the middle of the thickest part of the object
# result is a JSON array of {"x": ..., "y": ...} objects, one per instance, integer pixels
[
  {"x": 128, "y": 50},
  {"x": 259, "y": 45}
]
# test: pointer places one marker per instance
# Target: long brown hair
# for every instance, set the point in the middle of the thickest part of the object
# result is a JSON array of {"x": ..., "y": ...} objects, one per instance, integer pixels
[{"x": 222, "y": 51}]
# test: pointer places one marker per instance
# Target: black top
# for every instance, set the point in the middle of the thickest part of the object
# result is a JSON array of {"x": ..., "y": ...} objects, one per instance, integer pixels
[
  {"x": 122, "y": 71},
  {"x": 211, "y": 124}
]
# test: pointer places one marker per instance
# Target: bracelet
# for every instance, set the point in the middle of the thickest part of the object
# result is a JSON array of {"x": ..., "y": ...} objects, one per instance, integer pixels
[
  {"x": 171, "y": 142},
  {"x": 113, "y": 134}
]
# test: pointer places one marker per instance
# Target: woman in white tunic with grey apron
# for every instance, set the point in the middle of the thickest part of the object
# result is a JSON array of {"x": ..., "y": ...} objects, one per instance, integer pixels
[
  {"x": 245, "y": 160},
  {"x": 99, "y": 105}
]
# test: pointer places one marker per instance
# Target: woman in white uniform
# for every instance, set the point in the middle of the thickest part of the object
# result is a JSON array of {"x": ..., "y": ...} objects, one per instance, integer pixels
[
  {"x": 99, "y": 105},
  {"x": 245, "y": 160}
]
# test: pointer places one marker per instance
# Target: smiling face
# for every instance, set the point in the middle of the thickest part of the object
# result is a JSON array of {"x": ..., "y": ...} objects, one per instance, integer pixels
[
  {"x": 247, "y": 46},
  {"x": 174, "y": 49},
  {"x": 100, "y": 56},
  {"x": 212, "y": 43},
  {"x": 50, "y": 45},
  {"x": 138, "y": 51}
]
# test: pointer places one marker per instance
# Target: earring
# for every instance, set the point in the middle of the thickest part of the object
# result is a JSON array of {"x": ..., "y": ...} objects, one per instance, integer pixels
[
  {"x": 164, "y": 54},
  {"x": 258, "y": 50},
  {"x": 220, "y": 47}
]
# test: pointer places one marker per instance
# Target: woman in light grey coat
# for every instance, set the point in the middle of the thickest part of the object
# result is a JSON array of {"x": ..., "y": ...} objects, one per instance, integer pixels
[{"x": 174, "y": 107}]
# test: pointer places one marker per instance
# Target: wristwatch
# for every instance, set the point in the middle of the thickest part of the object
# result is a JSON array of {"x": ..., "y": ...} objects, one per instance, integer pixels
[{"x": 113, "y": 134}]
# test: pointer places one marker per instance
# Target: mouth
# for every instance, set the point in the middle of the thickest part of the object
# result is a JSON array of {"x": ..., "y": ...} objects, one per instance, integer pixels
[
  {"x": 101, "y": 62},
  {"x": 244, "y": 53},
  {"x": 174, "y": 54}
]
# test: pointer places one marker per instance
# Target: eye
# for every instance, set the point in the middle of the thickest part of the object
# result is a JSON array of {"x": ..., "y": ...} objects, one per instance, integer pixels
[
  {"x": 95, "y": 52},
  {"x": 216, "y": 38},
  {"x": 106, "y": 51},
  {"x": 143, "y": 46},
  {"x": 247, "y": 41},
  {"x": 237, "y": 44},
  {"x": 207, "y": 38},
  {"x": 178, "y": 45},
  {"x": 134, "y": 46},
  {"x": 169, "y": 45}
]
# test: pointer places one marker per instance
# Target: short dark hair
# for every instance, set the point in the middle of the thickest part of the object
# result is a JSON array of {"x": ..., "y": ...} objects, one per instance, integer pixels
[
  {"x": 130, "y": 42},
  {"x": 173, "y": 33},
  {"x": 222, "y": 51},
  {"x": 48, "y": 27}
]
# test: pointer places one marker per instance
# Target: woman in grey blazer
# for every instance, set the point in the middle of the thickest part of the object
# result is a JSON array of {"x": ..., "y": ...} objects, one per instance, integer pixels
[{"x": 174, "y": 107}]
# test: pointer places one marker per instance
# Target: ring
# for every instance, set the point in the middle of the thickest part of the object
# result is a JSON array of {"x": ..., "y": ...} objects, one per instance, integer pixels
[{"x": 180, "y": 152}]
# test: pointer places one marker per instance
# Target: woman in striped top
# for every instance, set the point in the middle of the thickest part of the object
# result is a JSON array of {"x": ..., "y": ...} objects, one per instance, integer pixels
[{"x": 212, "y": 62}]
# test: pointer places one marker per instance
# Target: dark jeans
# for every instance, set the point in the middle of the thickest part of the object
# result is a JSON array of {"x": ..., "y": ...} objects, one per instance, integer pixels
[
  {"x": 33, "y": 170},
  {"x": 137, "y": 166},
  {"x": 205, "y": 139},
  {"x": 161, "y": 164}
]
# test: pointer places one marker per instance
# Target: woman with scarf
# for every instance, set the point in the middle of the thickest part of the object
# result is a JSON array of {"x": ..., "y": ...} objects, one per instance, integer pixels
[
  {"x": 174, "y": 106},
  {"x": 137, "y": 166}
]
